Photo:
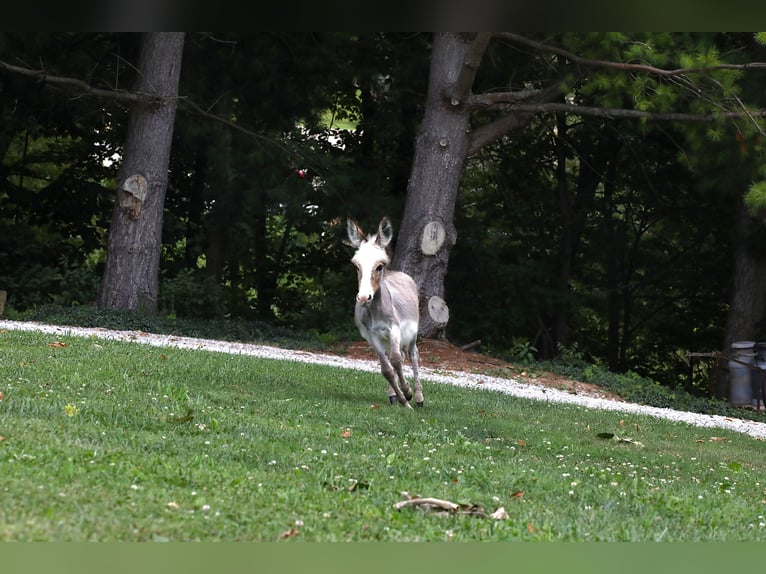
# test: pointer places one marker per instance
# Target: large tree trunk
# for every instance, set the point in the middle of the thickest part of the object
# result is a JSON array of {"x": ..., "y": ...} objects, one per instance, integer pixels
[
  {"x": 427, "y": 233},
  {"x": 748, "y": 302},
  {"x": 131, "y": 277}
]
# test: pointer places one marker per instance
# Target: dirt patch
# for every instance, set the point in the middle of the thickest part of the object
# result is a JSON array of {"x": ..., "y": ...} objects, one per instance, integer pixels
[{"x": 442, "y": 355}]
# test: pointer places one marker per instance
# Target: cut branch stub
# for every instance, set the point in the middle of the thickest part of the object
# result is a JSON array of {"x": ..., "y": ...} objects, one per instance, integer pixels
[
  {"x": 438, "y": 310},
  {"x": 433, "y": 238},
  {"x": 133, "y": 194}
]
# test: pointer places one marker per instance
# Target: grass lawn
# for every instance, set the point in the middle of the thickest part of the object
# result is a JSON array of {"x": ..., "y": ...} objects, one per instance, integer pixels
[{"x": 114, "y": 441}]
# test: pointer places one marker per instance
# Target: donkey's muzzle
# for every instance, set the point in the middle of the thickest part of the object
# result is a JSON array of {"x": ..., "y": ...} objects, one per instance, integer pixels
[{"x": 364, "y": 300}]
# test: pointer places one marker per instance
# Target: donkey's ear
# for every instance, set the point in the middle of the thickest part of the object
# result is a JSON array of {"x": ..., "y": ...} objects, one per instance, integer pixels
[
  {"x": 355, "y": 233},
  {"x": 385, "y": 232}
]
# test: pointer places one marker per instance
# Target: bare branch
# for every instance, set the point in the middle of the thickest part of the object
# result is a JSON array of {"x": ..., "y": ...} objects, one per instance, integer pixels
[
  {"x": 78, "y": 85},
  {"x": 493, "y": 100},
  {"x": 234, "y": 126},
  {"x": 518, "y": 39},
  {"x": 486, "y": 134},
  {"x": 433, "y": 502},
  {"x": 521, "y": 114},
  {"x": 128, "y": 96},
  {"x": 547, "y": 107}
]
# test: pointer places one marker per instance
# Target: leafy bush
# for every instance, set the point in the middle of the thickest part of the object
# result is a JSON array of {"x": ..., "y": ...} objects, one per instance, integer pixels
[
  {"x": 524, "y": 352},
  {"x": 636, "y": 389},
  {"x": 192, "y": 293},
  {"x": 63, "y": 283},
  {"x": 220, "y": 329}
]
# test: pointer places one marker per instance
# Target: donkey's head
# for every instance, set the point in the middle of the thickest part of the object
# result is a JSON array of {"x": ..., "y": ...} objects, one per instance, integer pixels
[{"x": 371, "y": 257}]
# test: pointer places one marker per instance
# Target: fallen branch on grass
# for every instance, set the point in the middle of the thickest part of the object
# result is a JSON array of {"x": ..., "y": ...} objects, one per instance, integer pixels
[
  {"x": 428, "y": 503},
  {"x": 439, "y": 505}
]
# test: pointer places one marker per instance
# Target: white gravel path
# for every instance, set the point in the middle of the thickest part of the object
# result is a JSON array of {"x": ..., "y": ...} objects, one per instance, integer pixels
[{"x": 509, "y": 386}]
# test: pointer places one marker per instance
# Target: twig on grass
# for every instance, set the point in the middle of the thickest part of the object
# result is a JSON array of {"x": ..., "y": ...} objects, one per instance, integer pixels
[{"x": 440, "y": 505}]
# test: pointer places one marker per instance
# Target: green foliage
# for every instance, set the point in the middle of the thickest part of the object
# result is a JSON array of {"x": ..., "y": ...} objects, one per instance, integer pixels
[
  {"x": 755, "y": 199},
  {"x": 222, "y": 329},
  {"x": 78, "y": 284},
  {"x": 571, "y": 353},
  {"x": 324, "y": 126},
  {"x": 637, "y": 389},
  {"x": 650, "y": 270},
  {"x": 60, "y": 282},
  {"x": 192, "y": 294},
  {"x": 523, "y": 352}
]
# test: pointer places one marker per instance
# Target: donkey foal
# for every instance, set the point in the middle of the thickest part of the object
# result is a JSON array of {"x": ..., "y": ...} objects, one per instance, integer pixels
[{"x": 386, "y": 310}]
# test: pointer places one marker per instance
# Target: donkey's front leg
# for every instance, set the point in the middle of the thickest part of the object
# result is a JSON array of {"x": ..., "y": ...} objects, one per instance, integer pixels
[
  {"x": 394, "y": 392},
  {"x": 397, "y": 361}
]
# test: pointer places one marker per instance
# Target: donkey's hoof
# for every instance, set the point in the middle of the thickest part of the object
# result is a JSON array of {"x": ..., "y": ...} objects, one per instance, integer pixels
[
  {"x": 393, "y": 399},
  {"x": 420, "y": 404},
  {"x": 408, "y": 396}
]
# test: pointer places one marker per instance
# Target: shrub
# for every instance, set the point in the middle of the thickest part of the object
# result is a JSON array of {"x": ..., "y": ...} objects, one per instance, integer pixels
[{"x": 191, "y": 293}]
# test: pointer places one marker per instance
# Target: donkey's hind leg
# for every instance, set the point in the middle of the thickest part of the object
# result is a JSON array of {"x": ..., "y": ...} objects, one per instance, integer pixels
[
  {"x": 415, "y": 362},
  {"x": 404, "y": 385}
]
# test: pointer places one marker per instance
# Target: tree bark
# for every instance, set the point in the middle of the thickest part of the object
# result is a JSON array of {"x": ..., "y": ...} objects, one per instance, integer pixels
[
  {"x": 131, "y": 277},
  {"x": 614, "y": 298},
  {"x": 440, "y": 151},
  {"x": 574, "y": 215},
  {"x": 748, "y": 304},
  {"x": 221, "y": 198}
]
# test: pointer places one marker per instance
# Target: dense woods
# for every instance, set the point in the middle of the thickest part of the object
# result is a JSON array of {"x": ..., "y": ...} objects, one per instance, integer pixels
[{"x": 594, "y": 194}]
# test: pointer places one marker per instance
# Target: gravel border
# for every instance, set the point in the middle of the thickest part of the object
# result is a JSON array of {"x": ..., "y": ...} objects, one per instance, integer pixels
[{"x": 509, "y": 386}]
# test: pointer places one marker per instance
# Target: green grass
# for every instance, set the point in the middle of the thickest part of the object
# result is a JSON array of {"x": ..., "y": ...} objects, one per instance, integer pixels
[
  {"x": 570, "y": 364},
  {"x": 118, "y": 441}
]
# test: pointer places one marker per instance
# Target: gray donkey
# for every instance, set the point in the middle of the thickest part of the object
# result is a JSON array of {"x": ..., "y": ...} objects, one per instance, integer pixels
[{"x": 386, "y": 310}]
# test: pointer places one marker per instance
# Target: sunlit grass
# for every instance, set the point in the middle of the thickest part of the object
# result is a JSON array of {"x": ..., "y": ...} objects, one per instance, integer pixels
[{"x": 118, "y": 441}]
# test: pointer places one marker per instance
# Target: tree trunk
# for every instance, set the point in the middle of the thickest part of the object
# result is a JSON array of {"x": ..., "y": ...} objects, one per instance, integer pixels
[
  {"x": 196, "y": 193},
  {"x": 748, "y": 304},
  {"x": 131, "y": 277},
  {"x": 427, "y": 233},
  {"x": 221, "y": 197},
  {"x": 614, "y": 291},
  {"x": 571, "y": 229},
  {"x": 747, "y": 307},
  {"x": 574, "y": 216}
]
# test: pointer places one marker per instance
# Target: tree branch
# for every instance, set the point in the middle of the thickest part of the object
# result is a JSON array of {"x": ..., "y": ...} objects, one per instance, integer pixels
[
  {"x": 520, "y": 106},
  {"x": 494, "y": 100},
  {"x": 124, "y": 95},
  {"x": 462, "y": 86},
  {"x": 79, "y": 85},
  {"x": 521, "y": 114},
  {"x": 254, "y": 135},
  {"x": 486, "y": 134},
  {"x": 548, "y": 107},
  {"x": 518, "y": 39}
]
